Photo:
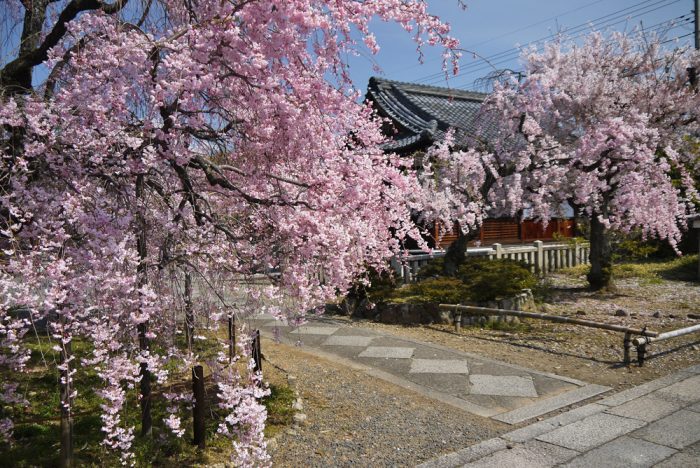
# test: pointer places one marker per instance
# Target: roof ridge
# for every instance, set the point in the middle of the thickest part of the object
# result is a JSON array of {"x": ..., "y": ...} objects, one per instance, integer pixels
[{"x": 430, "y": 89}]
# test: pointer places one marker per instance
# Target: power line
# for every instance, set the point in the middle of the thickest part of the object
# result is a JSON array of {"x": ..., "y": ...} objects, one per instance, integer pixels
[
  {"x": 613, "y": 19},
  {"x": 510, "y": 33},
  {"x": 602, "y": 21},
  {"x": 670, "y": 24}
]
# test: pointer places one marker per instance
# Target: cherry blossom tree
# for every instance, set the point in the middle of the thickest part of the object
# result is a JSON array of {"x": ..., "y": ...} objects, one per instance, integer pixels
[
  {"x": 606, "y": 125},
  {"x": 144, "y": 143}
]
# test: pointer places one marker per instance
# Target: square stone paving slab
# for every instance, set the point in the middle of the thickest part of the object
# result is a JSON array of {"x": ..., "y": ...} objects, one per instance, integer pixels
[
  {"x": 680, "y": 460},
  {"x": 388, "y": 352},
  {"x": 304, "y": 330},
  {"x": 625, "y": 451},
  {"x": 505, "y": 385},
  {"x": 591, "y": 431},
  {"x": 676, "y": 430},
  {"x": 645, "y": 408},
  {"x": 438, "y": 366},
  {"x": 687, "y": 391},
  {"x": 339, "y": 340},
  {"x": 529, "y": 455}
]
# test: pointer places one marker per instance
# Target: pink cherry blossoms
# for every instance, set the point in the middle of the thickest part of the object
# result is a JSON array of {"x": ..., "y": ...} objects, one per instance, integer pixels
[
  {"x": 608, "y": 126},
  {"x": 205, "y": 140}
]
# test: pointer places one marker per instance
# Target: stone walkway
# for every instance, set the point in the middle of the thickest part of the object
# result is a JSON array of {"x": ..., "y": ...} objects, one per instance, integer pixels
[
  {"x": 479, "y": 385},
  {"x": 655, "y": 424}
]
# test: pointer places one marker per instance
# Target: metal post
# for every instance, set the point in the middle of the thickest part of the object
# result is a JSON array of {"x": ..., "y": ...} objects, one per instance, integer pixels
[{"x": 627, "y": 344}]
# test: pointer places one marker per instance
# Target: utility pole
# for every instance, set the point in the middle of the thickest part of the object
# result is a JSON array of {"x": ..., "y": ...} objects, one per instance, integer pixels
[{"x": 697, "y": 24}]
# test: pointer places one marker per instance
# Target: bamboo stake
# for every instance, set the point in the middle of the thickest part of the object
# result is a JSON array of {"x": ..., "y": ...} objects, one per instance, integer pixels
[
  {"x": 643, "y": 340},
  {"x": 552, "y": 318}
]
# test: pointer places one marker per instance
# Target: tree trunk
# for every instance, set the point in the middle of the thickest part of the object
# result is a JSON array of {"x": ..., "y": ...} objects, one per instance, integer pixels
[
  {"x": 66, "y": 455},
  {"x": 198, "y": 414},
  {"x": 146, "y": 419},
  {"x": 231, "y": 336},
  {"x": 600, "y": 257},
  {"x": 457, "y": 253},
  {"x": 189, "y": 313}
]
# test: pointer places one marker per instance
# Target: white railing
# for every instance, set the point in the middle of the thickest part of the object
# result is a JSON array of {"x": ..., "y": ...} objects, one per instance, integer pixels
[{"x": 541, "y": 257}]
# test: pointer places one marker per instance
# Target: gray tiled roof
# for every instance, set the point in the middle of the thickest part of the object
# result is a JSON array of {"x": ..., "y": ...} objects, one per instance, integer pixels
[{"x": 422, "y": 114}]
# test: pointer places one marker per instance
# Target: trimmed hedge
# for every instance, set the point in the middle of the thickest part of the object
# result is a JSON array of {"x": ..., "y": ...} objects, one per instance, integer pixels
[{"x": 477, "y": 280}]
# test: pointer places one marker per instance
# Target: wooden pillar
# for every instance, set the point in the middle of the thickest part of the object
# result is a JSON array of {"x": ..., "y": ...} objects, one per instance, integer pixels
[
  {"x": 257, "y": 355},
  {"x": 231, "y": 336},
  {"x": 198, "y": 413}
]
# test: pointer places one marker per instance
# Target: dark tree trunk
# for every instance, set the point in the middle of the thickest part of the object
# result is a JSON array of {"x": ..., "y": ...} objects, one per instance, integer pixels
[
  {"x": 231, "y": 336},
  {"x": 66, "y": 455},
  {"x": 457, "y": 253},
  {"x": 189, "y": 313},
  {"x": 600, "y": 276},
  {"x": 146, "y": 419},
  {"x": 198, "y": 414}
]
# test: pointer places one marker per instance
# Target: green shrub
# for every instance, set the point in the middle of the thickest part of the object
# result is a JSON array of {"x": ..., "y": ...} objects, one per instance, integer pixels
[
  {"x": 443, "y": 290},
  {"x": 432, "y": 269},
  {"x": 499, "y": 278}
]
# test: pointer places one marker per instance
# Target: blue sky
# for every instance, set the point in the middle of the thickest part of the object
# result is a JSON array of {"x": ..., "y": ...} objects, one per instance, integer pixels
[{"x": 490, "y": 27}]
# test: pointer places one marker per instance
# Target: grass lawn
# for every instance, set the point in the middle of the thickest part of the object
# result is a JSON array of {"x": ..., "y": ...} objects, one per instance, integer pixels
[
  {"x": 37, "y": 424},
  {"x": 649, "y": 271}
]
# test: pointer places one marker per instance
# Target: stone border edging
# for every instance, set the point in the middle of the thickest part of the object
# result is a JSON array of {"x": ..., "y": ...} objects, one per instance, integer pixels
[{"x": 532, "y": 431}]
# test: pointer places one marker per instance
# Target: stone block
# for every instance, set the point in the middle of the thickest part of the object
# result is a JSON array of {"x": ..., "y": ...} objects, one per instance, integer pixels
[
  {"x": 676, "y": 430},
  {"x": 687, "y": 391},
  {"x": 591, "y": 431},
  {"x": 305, "y": 330},
  {"x": 680, "y": 460},
  {"x": 550, "y": 404},
  {"x": 502, "y": 385},
  {"x": 466, "y": 455},
  {"x": 339, "y": 340},
  {"x": 387, "y": 352},
  {"x": 646, "y": 408},
  {"x": 530, "y": 454},
  {"x": 438, "y": 366},
  {"x": 644, "y": 389},
  {"x": 625, "y": 451}
]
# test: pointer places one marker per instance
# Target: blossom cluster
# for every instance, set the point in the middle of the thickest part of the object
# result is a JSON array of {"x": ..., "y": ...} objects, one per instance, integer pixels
[{"x": 202, "y": 139}]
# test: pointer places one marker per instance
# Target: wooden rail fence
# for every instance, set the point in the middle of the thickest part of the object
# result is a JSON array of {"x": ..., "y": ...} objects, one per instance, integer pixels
[{"x": 541, "y": 257}]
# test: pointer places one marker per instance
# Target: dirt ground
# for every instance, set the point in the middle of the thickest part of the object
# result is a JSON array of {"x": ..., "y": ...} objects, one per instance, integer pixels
[
  {"x": 358, "y": 420},
  {"x": 589, "y": 354}
]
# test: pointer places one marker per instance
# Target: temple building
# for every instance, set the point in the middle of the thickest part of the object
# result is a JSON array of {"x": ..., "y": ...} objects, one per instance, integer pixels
[{"x": 420, "y": 116}]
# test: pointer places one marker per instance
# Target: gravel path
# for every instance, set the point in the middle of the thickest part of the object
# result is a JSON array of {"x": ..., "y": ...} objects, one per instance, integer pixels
[
  {"x": 591, "y": 355},
  {"x": 357, "y": 420}
]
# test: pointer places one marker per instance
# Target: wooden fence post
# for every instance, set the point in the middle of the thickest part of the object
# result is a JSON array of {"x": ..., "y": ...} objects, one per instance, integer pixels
[
  {"x": 257, "y": 355},
  {"x": 499, "y": 250},
  {"x": 539, "y": 257},
  {"x": 231, "y": 336},
  {"x": 198, "y": 422}
]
